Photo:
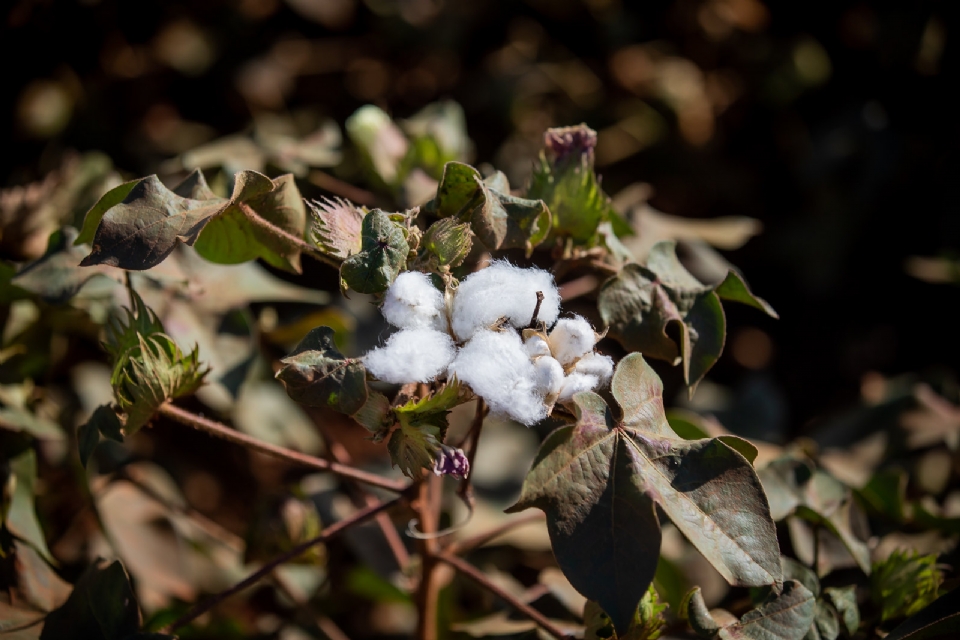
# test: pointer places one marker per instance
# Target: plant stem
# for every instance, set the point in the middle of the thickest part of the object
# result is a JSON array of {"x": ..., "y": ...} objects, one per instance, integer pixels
[
  {"x": 221, "y": 430},
  {"x": 462, "y": 546},
  {"x": 477, "y": 576},
  {"x": 267, "y": 569},
  {"x": 428, "y": 591},
  {"x": 465, "y": 490},
  {"x": 268, "y": 227}
]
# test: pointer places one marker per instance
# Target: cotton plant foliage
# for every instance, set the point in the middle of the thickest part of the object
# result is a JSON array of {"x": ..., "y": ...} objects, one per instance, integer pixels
[{"x": 519, "y": 376}]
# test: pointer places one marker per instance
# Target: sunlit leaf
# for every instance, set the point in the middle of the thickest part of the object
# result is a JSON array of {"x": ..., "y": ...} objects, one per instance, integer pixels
[
  {"x": 414, "y": 447},
  {"x": 315, "y": 373},
  {"x": 905, "y": 583},
  {"x": 107, "y": 201},
  {"x": 600, "y": 481},
  {"x": 783, "y": 616},
  {"x": 448, "y": 242},
  {"x": 383, "y": 254},
  {"x": 263, "y": 218},
  {"x": 941, "y": 619}
]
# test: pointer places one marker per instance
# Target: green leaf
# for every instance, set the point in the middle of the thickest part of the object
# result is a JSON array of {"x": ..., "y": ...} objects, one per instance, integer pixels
[
  {"x": 56, "y": 276},
  {"x": 735, "y": 289},
  {"x": 825, "y": 622},
  {"x": 694, "y": 611},
  {"x": 498, "y": 219},
  {"x": 783, "y": 616},
  {"x": 376, "y": 415},
  {"x": 102, "y": 606},
  {"x": 905, "y": 583},
  {"x": 827, "y": 501},
  {"x": 939, "y": 620},
  {"x": 103, "y": 421},
  {"x": 21, "y": 516},
  {"x": 844, "y": 600},
  {"x": 337, "y": 227},
  {"x": 565, "y": 180},
  {"x": 662, "y": 311},
  {"x": 107, "y": 201},
  {"x": 315, "y": 373},
  {"x": 448, "y": 242},
  {"x": 263, "y": 218},
  {"x": 383, "y": 255},
  {"x": 600, "y": 481}
]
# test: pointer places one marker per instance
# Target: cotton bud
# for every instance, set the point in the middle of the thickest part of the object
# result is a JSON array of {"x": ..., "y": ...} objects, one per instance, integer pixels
[
  {"x": 372, "y": 130},
  {"x": 571, "y": 338},
  {"x": 411, "y": 355},
  {"x": 503, "y": 291},
  {"x": 595, "y": 364},
  {"x": 412, "y": 302},
  {"x": 451, "y": 462}
]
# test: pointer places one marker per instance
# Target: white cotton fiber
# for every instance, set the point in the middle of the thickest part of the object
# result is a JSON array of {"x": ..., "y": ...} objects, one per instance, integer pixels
[
  {"x": 498, "y": 370},
  {"x": 571, "y": 338},
  {"x": 549, "y": 375},
  {"x": 575, "y": 383},
  {"x": 503, "y": 291},
  {"x": 412, "y": 302},
  {"x": 535, "y": 346},
  {"x": 411, "y": 355},
  {"x": 594, "y": 364}
]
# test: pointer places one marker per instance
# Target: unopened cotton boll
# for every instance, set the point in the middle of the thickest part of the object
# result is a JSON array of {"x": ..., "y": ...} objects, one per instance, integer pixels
[
  {"x": 575, "y": 383},
  {"x": 594, "y": 364},
  {"x": 411, "y": 355},
  {"x": 503, "y": 291},
  {"x": 549, "y": 375},
  {"x": 412, "y": 302},
  {"x": 571, "y": 338},
  {"x": 495, "y": 366}
]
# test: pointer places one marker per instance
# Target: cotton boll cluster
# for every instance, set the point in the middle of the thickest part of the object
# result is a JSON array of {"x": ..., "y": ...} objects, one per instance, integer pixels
[
  {"x": 411, "y": 355},
  {"x": 503, "y": 291},
  {"x": 521, "y": 378}
]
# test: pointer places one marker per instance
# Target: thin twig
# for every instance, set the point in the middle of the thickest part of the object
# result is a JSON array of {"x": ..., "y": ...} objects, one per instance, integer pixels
[
  {"x": 264, "y": 571},
  {"x": 338, "y": 187},
  {"x": 467, "y": 544},
  {"x": 465, "y": 491},
  {"x": 232, "y": 435},
  {"x": 536, "y": 311},
  {"x": 324, "y": 623},
  {"x": 477, "y": 576}
]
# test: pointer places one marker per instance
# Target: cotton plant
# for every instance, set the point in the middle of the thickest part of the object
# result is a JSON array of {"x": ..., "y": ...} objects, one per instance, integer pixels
[{"x": 498, "y": 333}]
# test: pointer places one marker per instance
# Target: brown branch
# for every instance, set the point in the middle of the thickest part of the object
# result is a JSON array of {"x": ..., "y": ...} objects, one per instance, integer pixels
[
  {"x": 477, "y": 576},
  {"x": 338, "y": 187},
  {"x": 465, "y": 491},
  {"x": 428, "y": 591},
  {"x": 221, "y": 430},
  {"x": 462, "y": 546},
  {"x": 267, "y": 569},
  {"x": 536, "y": 311}
]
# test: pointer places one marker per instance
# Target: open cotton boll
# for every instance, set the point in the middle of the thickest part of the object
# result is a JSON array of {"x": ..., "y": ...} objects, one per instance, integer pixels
[
  {"x": 503, "y": 291},
  {"x": 571, "y": 338},
  {"x": 575, "y": 383},
  {"x": 412, "y": 302},
  {"x": 498, "y": 370},
  {"x": 594, "y": 364},
  {"x": 411, "y": 355},
  {"x": 549, "y": 375},
  {"x": 535, "y": 346}
]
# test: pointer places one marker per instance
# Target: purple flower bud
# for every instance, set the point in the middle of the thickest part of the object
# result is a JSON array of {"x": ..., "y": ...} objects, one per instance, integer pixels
[
  {"x": 451, "y": 462},
  {"x": 564, "y": 142}
]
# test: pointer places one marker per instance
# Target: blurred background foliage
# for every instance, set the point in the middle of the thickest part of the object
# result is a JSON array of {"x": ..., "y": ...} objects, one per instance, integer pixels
[{"x": 825, "y": 129}]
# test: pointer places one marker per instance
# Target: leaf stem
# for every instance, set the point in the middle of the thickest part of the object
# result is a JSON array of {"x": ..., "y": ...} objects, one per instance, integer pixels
[
  {"x": 268, "y": 227},
  {"x": 267, "y": 569},
  {"x": 221, "y": 430},
  {"x": 477, "y": 576}
]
